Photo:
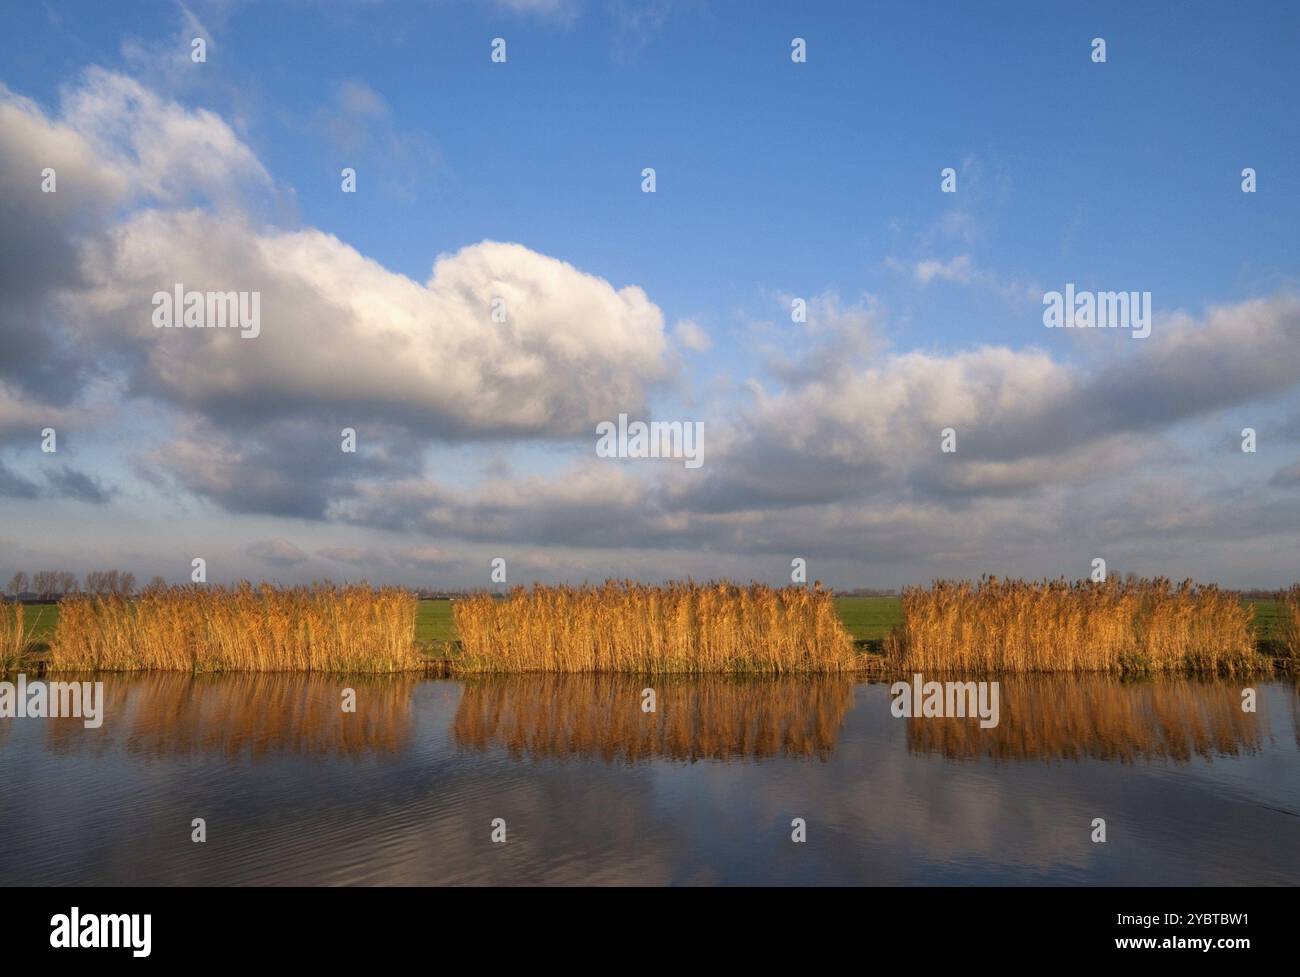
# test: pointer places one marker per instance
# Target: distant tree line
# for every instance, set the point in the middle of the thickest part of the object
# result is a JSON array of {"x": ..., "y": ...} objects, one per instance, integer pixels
[{"x": 53, "y": 584}]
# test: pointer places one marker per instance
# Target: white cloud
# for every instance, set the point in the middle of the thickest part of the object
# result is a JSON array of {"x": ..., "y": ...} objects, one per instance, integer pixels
[
  {"x": 839, "y": 452},
  {"x": 958, "y": 269},
  {"x": 160, "y": 148},
  {"x": 690, "y": 336},
  {"x": 338, "y": 329}
]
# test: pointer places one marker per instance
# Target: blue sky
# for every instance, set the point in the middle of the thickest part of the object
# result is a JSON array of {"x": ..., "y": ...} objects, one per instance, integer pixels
[
  {"x": 771, "y": 175},
  {"x": 774, "y": 180}
]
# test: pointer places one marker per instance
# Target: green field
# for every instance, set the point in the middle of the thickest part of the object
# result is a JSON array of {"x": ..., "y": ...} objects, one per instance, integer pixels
[
  {"x": 1265, "y": 620},
  {"x": 433, "y": 622},
  {"x": 866, "y": 618},
  {"x": 869, "y": 618}
]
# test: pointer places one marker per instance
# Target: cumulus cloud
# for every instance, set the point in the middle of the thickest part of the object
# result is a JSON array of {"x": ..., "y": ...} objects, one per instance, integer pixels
[
  {"x": 341, "y": 331},
  {"x": 287, "y": 467},
  {"x": 882, "y": 420},
  {"x": 113, "y": 144},
  {"x": 162, "y": 150},
  {"x": 38, "y": 237},
  {"x": 590, "y": 504},
  {"x": 339, "y": 328},
  {"x": 832, "y": 450},
  {"x": 344, "y": 342}
]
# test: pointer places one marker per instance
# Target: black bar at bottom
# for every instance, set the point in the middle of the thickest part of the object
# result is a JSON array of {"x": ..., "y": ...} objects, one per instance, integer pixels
[{"x": 235, "y": 927}]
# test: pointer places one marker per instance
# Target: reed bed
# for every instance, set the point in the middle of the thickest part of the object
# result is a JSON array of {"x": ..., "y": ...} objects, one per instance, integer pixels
[
  {"x": 600, "y": 717},
  {"x": 322, "y": 628},
  {"x": 1100, "y": 717},
  {"x": 1288, "y": 623},
  {"x": 1058, "y": 626},
  {"x": 15, "y": 636},
  {"x": 629, "y": 627}
]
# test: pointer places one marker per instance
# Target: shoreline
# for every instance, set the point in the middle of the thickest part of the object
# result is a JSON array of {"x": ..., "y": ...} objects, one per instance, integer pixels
[{"x": 868, "y": 620}]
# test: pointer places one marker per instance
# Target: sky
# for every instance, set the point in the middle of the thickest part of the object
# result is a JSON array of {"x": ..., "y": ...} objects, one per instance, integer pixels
[{"x": 500, "y": 283}]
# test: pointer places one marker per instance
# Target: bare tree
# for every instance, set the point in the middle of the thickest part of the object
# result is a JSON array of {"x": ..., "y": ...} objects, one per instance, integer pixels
[
  {"x": 46, "y": 584},
  {"x": 67, "y": 583},
  {"x": 17, "y": 584},
  {"x": 157, "y": 583},
  {"x": 110, "y": 582}
]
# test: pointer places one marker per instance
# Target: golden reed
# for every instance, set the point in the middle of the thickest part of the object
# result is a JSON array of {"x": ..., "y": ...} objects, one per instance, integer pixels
[
  {"x": 322, "y": 628},
  {"x": 15, "y": 638},
  {"x": 684, "y": 628},
  {"x": 1288, "y": 622},
  {"x": 1057, "y": 626}
]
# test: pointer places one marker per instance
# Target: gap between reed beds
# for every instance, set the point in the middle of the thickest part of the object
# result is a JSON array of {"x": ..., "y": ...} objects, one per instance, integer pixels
[
  {"x": 322, "y": 628},
  {"x": 1288, "y": 622},
  {"x": 1058, "y": 626},
  {"x": 685, "y": 628}
]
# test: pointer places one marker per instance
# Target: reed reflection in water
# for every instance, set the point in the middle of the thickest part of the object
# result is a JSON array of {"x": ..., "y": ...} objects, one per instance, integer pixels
[
  {"x": 246, "y": 714},
  {"x": 1100, "y": 717},
  {"x": 700, "y": 792},
  {"x": 601, "y": 716}
]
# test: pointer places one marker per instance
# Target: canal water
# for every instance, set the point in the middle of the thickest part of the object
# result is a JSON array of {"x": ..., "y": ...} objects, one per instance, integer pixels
[{"x": 423, "y": 781}]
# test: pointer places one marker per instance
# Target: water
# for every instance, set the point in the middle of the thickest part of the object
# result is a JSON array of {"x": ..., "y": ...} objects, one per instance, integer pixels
[{"x": 593, "y": 790}]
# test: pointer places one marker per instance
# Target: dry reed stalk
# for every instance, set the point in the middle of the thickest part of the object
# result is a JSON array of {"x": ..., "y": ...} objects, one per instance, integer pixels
[
  {"x": 323, "y": 628},
  {"x": 1288, "y": 622},
  {"x": 15, "y": 638},
  {"x": 675, "y": 628},
  {"x": 1057, "y": 626}
]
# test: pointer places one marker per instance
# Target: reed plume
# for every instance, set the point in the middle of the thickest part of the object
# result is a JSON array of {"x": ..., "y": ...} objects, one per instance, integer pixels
[
  {"x": 1057, "y": 626},
  {"x": 675, "y": 628}
]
